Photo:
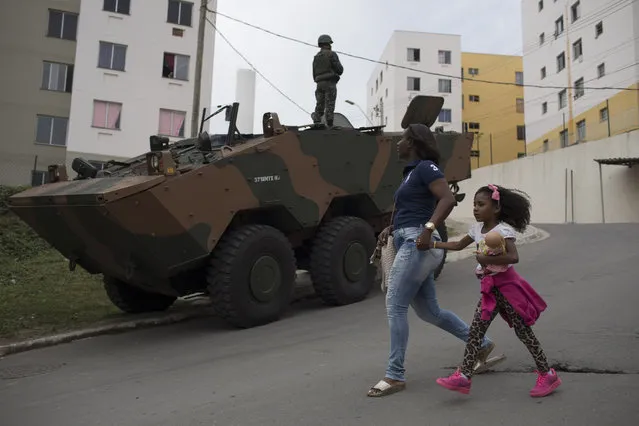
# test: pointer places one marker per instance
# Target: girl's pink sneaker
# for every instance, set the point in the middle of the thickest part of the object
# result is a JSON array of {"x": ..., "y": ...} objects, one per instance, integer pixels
[
  {"x": 546, "y": 383},
  {"x": 455, "y": 382}
]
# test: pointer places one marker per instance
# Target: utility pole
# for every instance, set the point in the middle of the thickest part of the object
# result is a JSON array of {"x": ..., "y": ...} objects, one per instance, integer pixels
[{"x": 197, "y": 83}]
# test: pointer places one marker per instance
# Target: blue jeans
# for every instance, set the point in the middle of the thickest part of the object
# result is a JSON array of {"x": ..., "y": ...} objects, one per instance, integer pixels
[{"x": 412, "y": 281}]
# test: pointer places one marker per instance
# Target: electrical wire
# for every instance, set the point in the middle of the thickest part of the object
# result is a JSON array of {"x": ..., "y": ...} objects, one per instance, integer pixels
[
  {"x": 254, "y": 68},
  {"x": 507, "y": 83}
]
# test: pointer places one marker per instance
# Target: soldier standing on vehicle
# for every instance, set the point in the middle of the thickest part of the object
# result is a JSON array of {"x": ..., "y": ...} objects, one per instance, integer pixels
[{"x": 327, "y": 70}]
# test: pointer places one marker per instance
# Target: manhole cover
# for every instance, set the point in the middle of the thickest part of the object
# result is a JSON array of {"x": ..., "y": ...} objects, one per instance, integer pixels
[{"x": 22, "y": 371}]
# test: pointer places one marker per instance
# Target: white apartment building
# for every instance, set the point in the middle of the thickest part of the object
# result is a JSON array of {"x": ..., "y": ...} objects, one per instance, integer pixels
[
  {"x": 577, "y": 44},
  {"x": 134, "y": 75},
  {"x": 390, "y": 89}
]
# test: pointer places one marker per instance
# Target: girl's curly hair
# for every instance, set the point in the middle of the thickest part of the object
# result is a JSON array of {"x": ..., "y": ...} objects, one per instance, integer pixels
[{"x": 514, "y": 206}]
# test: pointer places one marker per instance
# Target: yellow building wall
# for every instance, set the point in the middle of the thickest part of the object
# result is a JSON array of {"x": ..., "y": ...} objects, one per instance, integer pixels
[
  {"x": 623, "y": 116},
  {"x": 496, "y": 112}
]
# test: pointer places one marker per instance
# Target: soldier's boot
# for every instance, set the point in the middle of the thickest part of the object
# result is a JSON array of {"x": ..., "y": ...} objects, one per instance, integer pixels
[
  {"x": 329, "y": 123},
  {"x": 316, "y": 118}
]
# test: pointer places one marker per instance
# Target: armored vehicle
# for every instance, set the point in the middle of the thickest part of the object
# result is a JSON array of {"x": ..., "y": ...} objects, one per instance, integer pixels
[{"x": 235, "y": 215}]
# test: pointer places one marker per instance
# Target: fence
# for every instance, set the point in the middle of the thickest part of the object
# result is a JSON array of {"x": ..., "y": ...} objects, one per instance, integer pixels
[{"x": 17, "y": 169}]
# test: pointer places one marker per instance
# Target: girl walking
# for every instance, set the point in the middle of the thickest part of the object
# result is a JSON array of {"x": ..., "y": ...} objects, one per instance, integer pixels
[{"x": 503, "y": 211}]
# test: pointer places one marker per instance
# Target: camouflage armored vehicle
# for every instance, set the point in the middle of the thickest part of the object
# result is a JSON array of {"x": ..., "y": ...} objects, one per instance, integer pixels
[{"x": 235, "y": 215}]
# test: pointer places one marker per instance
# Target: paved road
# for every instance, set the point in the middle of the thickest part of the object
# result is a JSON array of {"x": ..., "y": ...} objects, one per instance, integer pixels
[{"x": 315, "y": 366}]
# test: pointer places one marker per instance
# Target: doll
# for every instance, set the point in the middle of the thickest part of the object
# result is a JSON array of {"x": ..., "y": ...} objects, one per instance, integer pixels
[{"x": 493, "y": 244}]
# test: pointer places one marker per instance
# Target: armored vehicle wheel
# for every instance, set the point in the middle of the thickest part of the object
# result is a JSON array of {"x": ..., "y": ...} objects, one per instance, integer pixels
[
  {"x": 443, "y": 232},
  {"x": 135, "y": 300},
  {"x": 251, "y": 276},
  {"x": 340, "y": 268}
]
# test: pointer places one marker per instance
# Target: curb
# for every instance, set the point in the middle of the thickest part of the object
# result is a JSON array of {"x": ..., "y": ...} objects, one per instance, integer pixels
[{"x": 198, "y": 309}]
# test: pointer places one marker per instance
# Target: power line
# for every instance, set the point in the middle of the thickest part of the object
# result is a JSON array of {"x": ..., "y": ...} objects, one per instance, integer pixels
[
  {"x": 507, "y": 83},
  {"x": 254, "y": 68}
]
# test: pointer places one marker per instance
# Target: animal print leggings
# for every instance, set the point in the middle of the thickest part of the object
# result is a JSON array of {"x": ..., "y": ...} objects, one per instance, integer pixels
[{"x": 479, "y": 327}]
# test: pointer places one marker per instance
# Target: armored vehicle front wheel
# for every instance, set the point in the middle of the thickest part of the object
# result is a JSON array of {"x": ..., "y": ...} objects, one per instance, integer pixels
[
  {"x": 251, "y": 276},
  {"x": 340, "y": 267},
  {"x": 134, "y": 300}
]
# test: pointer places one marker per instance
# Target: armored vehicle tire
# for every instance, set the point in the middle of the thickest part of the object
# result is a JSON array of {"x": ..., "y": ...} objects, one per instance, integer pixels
[
  {"x": 340, "y": 254},
  {"x": 251, "y": 276},
  {"x": 134, "y": 300},
  {"x": 443, "y": 232}
]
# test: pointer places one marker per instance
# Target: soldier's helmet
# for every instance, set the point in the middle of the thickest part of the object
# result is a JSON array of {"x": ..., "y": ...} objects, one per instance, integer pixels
[{"x": 324, "y": 39}]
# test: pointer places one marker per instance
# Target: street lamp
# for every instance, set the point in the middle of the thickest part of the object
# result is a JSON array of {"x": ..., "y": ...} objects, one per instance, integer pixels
[{"x": 362, "y": 111}]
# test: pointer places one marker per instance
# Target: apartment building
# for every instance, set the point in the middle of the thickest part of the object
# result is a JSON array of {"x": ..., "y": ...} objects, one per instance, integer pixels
[
  {"x": 37, "y": 42},
  {"x": 96, "y": 78},
  {"x": 576, "y": 45},
  {"x": 134, "y": 71},
  {"x": 494, "y": 112},
  {"x": 390, "y": 89}
]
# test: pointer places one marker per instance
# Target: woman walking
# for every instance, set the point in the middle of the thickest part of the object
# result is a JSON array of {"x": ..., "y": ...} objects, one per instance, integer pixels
[{"x": 422, "y": 202}]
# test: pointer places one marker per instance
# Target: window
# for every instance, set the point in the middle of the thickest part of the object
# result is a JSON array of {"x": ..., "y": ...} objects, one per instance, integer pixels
[
  {"x": 579, "y": 88},
  {"x": 62, "y": 25},
  {"x": 57, "y": 77},
  {"x": 117, "y": 6},
  {"x": 561, "y": 61},
  {"x": 180, "y": 12},
  {"x": 603, "y": 114},
  {"x": 112, "y": 56},
  {"x": 545, "y": 145},
  {"x": 562, "y": 99},
  {"x": 445, "y": 116},
  {"x": 473, "y": 71},
  {"x": 559, "y": 26},
  {"x": 473, "y": 98},
  {"x": 381, "y": 77},
  {"x": 386, "y": 94},
  {"x": 519, "y": 78},
  {"x": 542, "y": 38},
  {"x": 575, "y": 11},
  {"x": 544, "y": 107},
  {"x": 521, "y": 133},
  {"x": 444, "y": 57},
  {"x": 581, "y": 131},
  {"x": 563, "y": 138},
  {"x": 413, "y": 55},
  {"x": 106, "y": 115},
  {"x": 540, "y": 5},
  {"x": 176, "y": 66},
  {"x": 172, "y": 123},
  {"x": 51, "y": 130},
  {"x": 376, "y": 84},
  {"x": 601, "y": 70},
  {"x": 598, "y": 29},
  {"x": 519, "y": 105},
  {"x": 413, "y": 83},
  {"x": 473, "y": 126},
  {"x": 543, "y": 73},
  {"x": 445, "y": 86},
  {"x": 577, "y": 50}
]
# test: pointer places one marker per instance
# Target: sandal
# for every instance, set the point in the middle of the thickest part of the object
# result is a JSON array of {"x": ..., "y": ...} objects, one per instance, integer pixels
[{"x": 383, "y": 388}]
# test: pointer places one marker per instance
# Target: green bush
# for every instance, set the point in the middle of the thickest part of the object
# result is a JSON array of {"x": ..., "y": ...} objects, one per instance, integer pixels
[{"x": 17, "y": 240}]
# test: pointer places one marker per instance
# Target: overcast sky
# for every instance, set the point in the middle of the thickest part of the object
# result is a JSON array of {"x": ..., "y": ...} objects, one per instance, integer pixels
[{"x": 361, "y": 27}]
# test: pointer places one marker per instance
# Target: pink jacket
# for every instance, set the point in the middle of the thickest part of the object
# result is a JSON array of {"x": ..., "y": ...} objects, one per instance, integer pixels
[{"x": 523, "y": 298}]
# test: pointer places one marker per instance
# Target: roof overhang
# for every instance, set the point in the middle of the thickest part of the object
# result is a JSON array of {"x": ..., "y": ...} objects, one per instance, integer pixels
[{"x": 626, "y": 161}]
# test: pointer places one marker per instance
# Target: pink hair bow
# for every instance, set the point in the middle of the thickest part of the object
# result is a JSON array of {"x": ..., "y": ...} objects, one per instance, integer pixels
[{"x": 495, "y": 195}]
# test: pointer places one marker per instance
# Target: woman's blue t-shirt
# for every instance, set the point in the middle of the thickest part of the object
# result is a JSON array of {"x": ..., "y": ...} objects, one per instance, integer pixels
[{"x": 414, "y": 202}]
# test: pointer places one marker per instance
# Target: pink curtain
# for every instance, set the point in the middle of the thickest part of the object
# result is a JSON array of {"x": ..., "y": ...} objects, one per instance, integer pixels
[
  {"x": 165, "y": 122},
  {"x": 99, "y": 114},
  {"x": 113, "y": 116},
  {"x": 178, "y": 121}
]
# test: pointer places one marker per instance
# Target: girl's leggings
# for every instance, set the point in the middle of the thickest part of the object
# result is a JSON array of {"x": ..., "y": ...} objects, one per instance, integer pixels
[{"x": 479, "y": 327}]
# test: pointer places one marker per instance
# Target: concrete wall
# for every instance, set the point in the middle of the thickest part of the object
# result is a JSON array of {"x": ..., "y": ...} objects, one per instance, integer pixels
[
  {"x": 25, "y": 46},
  {"x": 546, "y": 178}
]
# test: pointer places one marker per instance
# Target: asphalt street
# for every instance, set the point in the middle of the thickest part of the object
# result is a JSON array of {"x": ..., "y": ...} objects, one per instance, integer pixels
[{"x": 315, "y": 366}]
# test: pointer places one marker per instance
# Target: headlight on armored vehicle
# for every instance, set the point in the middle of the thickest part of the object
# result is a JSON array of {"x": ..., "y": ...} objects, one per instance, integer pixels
[{"x": 155, "y": 162}]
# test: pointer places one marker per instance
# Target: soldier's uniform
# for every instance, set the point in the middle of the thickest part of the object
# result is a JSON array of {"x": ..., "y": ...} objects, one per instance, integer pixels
[{"x": 327, "y": 70}]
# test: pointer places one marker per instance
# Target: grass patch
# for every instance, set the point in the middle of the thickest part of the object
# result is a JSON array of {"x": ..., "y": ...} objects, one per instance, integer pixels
[{"x": 38, "y": 293}]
